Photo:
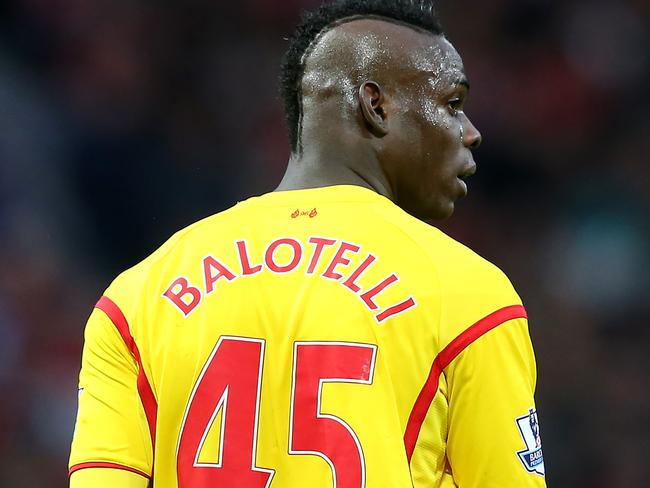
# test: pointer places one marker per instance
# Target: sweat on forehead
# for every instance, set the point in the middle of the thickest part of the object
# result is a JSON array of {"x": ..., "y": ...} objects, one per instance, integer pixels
[{"x": 376, "y": 48}]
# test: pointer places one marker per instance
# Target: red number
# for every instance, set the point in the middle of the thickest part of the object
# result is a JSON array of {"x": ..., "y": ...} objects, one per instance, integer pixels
[
  {"x": 319, "y": 434},
  {"x": 229, "y": 383}
]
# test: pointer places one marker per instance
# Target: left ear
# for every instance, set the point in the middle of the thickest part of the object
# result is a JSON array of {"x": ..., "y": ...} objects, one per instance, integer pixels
[{"x": 371, "y": 101}]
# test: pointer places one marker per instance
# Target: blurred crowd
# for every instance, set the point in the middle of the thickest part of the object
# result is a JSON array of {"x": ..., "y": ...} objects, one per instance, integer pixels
[{"x": 124, "y": 121}]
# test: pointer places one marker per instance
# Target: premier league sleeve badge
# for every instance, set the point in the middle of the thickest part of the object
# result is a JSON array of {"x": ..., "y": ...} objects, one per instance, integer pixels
[{"x": 531, "y": 457}]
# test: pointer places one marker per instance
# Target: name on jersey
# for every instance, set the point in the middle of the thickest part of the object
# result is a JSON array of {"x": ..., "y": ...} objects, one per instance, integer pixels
[{"x": 284, "y": 256}]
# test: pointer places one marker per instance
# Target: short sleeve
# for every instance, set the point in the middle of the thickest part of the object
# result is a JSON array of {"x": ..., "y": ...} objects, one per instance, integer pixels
[
  {"x": 493, "y": 437},
  {"x": 111, "y": 428}
]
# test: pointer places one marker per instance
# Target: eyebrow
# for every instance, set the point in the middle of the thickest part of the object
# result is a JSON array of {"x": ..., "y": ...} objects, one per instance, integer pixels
[{"x": 463, "y": 82}]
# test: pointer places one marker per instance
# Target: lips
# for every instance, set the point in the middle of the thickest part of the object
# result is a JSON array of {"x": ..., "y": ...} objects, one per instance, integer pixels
[{"x": 469, "y": 170}]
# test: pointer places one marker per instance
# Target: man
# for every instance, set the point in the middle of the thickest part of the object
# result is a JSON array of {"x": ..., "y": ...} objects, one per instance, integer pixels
[{"x": 322, "y": 335}]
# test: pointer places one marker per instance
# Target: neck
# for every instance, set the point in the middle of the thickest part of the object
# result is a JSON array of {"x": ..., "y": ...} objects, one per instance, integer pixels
[{"x": 319, "y": 168}]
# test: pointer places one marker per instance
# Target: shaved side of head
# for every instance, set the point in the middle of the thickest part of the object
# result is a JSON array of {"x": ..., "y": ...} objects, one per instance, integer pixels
[
  {"x": 316, "y": 25},
  {"x": 399, "y": 57},
  {"x": 356, "y": 50},
  {"x": 348, "y": 54}
]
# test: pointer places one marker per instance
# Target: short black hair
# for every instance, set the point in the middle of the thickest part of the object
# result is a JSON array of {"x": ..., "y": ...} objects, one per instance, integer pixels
[{"x": 418, "y": 13}]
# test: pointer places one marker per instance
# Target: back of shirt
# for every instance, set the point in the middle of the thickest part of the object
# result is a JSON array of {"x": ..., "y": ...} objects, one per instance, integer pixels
[{"x": 319, "y": 338}]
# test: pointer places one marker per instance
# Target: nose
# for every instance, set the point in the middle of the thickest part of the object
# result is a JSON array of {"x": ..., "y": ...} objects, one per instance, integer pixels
[{"x": 471, "y": 136}]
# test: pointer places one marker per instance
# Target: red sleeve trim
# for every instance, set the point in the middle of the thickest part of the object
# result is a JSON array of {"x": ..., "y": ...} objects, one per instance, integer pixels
[
  {"x": 80, "y": 466},
  {"x": 147, "y": 397},
  {"x": 443, "y": 359}
]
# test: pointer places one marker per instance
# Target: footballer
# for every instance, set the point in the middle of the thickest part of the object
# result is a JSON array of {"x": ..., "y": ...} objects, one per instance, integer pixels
[{"x": 323, "y": 335}]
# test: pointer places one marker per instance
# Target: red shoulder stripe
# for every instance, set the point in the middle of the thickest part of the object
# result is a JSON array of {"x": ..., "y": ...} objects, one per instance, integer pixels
[
  {"x": 147, "y": 397},
  {"x": 443, "y": 359},
  {"x": 77, "y": 467}
]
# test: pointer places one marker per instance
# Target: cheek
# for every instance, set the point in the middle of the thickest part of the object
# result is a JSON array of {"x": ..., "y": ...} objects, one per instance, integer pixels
[
  {"x": 422, "y": 136},
  {"x": 435, "y": 115},
  {"x": 443, "y": 131},
  {"x": 440, "y": 127}
]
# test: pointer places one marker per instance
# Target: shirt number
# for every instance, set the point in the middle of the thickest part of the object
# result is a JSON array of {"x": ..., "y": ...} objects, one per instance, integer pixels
[{"x": 229, "y": 386}]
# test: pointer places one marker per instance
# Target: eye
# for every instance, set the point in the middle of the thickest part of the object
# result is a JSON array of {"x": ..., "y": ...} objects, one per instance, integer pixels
[{"x": 455, "y": 105}]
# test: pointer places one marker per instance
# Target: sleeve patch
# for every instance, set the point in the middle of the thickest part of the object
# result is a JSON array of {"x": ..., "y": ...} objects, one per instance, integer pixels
[{"x": 531, "y": 457}]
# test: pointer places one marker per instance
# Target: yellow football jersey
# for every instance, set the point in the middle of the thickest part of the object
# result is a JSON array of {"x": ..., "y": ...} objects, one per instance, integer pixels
[{"x": 313, "y": 338}]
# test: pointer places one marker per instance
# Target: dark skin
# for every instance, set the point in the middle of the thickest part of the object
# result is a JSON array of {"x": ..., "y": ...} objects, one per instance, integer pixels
[{"x": 383, "y": 109}]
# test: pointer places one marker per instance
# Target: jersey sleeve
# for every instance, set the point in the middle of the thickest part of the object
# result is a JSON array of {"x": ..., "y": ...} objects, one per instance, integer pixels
[
  {"x": 106, "y": 478},
  {"x": 493, "y": 437},
  {"x": 111, "y": 428}
]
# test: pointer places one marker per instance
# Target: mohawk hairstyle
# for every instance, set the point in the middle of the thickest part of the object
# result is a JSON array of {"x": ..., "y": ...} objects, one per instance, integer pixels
[{"x": 417, "y": 13}]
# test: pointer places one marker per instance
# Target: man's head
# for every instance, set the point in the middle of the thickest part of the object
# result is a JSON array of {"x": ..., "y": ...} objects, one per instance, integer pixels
[{"x": 377, "y": 81}]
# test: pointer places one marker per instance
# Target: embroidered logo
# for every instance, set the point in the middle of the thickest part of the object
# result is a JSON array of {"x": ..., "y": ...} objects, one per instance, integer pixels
[
  {"x": 531, "y": 457},
  {"x": 304, "y": 213}
]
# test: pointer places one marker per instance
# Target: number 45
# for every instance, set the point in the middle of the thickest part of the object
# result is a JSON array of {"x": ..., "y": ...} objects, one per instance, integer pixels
[{"x": 230, "y": 385}]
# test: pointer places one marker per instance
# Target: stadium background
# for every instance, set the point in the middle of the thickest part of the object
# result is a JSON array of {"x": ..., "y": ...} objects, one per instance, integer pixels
[{"x": 123, "y": 121}]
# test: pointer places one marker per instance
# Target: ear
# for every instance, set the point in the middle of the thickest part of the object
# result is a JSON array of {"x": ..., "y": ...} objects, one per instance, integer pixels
[{"x": 371, "y": 100}]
